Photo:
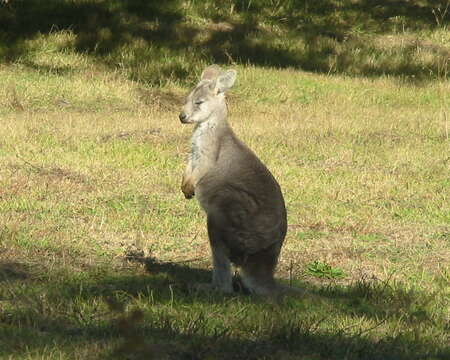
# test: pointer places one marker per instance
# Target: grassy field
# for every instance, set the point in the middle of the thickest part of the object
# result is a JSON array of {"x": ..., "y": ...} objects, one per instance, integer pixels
[
  {"x": 159, "y": 42},
  {"x": 99, "y": 248}
]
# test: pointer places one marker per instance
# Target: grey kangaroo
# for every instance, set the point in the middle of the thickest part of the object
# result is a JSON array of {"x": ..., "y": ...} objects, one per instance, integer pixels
[{"x": 245, "y": 209}]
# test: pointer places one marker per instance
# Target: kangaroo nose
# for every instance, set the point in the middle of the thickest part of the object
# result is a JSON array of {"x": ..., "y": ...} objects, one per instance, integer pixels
[{"x": 183, "y": 117}]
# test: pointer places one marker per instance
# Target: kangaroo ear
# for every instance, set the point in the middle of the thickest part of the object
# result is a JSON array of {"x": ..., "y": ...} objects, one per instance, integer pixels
[
  {"x": 225, "y": 81},
  {"x": 211, "y": 72}
]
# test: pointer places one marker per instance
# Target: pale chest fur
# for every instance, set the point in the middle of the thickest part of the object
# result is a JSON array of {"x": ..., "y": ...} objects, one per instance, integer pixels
[{"x": 203, "y": 145}]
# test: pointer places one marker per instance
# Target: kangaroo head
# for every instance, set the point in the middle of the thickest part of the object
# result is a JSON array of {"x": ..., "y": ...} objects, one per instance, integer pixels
[{"x": 208, "y": 97}]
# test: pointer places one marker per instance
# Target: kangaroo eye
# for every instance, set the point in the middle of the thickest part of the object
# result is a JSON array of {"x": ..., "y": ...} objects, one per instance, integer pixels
[{"x": 199, "y": 102}]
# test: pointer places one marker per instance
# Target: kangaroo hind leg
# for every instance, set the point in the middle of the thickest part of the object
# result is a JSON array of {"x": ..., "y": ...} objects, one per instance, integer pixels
[
  {"x": 222, "y": 275},
  {"x": 258, "y": 270}
]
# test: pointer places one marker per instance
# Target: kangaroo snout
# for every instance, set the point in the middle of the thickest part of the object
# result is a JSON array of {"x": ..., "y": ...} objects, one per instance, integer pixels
[{"x": 183, "y": 118}]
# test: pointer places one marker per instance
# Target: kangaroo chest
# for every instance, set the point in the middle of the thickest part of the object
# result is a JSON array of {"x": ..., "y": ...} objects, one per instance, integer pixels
[{"x": 203, "y": 145}]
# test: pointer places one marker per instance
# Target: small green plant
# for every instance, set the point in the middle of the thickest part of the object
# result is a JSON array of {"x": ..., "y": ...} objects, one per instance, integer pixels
[{"x": 321, "y": 269}]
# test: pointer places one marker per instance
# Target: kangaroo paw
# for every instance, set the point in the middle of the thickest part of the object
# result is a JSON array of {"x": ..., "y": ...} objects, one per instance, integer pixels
[{"x": 188, "y": 190}]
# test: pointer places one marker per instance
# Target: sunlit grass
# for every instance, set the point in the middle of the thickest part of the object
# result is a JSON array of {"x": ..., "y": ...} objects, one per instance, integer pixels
[
  {"x": 99, "y": 248},
  {"x": 363, "y": 165}
]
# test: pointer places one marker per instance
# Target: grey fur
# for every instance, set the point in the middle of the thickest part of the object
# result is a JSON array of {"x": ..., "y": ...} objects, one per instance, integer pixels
[{"x": 245, "y": 209}]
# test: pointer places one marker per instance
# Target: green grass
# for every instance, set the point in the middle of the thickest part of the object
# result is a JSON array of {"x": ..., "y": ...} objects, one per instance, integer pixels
[
  {"x": 157, "y": 43},
  {"x": 323, "y": 270},
  {"x": 99, "y": 248},
  {"x": 363, "y": 166}
]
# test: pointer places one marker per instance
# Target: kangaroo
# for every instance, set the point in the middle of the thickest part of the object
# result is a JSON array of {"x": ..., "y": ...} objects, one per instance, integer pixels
[{"x": 246, "y": 214}]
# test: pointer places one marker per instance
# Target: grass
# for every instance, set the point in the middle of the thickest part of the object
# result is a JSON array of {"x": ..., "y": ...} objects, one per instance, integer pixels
[
  {"x": 98, "y": 248},
  {"x": 157, "y": 43},
  {"x": 88, "y": 190},
  {"x": 323, "y": 270}
]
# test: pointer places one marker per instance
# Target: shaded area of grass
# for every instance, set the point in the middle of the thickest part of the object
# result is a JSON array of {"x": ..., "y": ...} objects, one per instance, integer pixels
[
  {"x": 156, "y": 314},
  {"x": 156, "y": 42}
]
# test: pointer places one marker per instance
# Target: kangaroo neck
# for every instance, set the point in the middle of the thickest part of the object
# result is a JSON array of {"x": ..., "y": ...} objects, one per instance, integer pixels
[{"x": 206, "y": 139}]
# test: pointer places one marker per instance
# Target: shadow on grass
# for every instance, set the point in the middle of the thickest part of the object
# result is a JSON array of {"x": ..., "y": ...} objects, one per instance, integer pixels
[
  {"x": 155, "y": 314},
  {"x": 10, "y": 271},
  {"x": 159, "y": 41}
]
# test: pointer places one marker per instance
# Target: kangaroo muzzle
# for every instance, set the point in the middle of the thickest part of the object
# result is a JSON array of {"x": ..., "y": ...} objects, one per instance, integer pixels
[{"x": 183, "y": 118}]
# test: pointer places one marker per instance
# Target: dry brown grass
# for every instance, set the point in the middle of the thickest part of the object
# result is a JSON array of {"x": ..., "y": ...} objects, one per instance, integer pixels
[{"x": 363, "y": 165}]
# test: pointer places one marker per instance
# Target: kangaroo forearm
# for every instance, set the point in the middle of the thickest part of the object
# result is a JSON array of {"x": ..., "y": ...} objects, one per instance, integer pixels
[
  {"x": 190, "y": 179},
  {"x": 187, "y": 182}
]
